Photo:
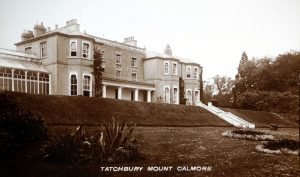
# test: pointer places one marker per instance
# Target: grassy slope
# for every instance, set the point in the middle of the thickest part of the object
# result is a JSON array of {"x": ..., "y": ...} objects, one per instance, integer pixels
[
  {"x": 262, "y": 119},
  {"x": 61, "y": 110}
]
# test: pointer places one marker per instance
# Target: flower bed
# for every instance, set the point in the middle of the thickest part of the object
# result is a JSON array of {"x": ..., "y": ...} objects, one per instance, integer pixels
[
  {"x": 248, "y": 135},
  {"x": 284, "y": 146}
]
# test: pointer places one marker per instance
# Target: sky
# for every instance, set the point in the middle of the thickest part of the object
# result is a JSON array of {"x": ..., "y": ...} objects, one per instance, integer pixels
[{"x": 213, "y": 33}]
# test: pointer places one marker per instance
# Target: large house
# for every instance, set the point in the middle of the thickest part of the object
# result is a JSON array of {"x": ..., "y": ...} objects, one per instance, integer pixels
[{"x": 59, "y": 62}]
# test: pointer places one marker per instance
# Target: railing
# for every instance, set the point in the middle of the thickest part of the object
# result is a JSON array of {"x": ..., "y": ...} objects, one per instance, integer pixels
[{"x": 227, "y": 116}]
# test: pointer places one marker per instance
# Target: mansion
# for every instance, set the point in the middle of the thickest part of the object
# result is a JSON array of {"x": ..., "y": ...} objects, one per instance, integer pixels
[{"x": 59, "y": 62}]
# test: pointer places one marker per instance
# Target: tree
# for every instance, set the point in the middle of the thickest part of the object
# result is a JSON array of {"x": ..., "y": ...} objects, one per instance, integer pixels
[
  {"x": 223, "y": 84},
  {"x": 208, "y": 92},
  {"x": 201, "y": 86},
  {"x": 98, "y": 70},
  {"x": 182, "y": 99}
]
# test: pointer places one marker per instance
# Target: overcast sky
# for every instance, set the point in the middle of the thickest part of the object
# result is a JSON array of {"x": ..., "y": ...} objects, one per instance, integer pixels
[{"x": 213, "y": 33}]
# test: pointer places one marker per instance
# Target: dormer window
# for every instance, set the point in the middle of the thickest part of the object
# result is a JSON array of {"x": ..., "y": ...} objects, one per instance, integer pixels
[{"x": 73, "y": 48}]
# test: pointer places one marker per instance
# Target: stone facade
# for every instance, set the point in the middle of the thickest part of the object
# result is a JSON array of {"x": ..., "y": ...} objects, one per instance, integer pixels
[{"x": 131, "y": 72}]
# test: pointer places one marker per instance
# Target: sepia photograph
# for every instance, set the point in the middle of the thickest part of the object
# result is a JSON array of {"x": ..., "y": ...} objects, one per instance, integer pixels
[{"x": 149, "y": 88}]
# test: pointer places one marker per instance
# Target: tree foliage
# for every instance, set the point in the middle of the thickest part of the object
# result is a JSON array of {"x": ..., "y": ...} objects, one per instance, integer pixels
[{"x": 98, "y": 72}]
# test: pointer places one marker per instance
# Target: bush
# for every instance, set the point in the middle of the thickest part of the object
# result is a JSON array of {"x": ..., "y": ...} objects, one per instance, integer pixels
[
  {"x": 282, "y": 144},
  {"x": 247, "y": 132},
  {"x": 18, "y": 126},
  {"x": 111, "y": 144},
  {"x": 248, "y": 135}
]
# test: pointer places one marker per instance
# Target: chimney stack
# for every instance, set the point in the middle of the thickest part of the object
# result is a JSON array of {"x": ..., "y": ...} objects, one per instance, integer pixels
[
  {"x": 39, "y": 30},
  {"x": 130, "y": 41},
  {"x": 27, "y": 35}
]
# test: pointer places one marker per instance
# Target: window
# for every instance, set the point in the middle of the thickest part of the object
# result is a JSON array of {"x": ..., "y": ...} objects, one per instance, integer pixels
[
  {"x": 43, "y": 47},
  {"x": 32, "y": 82},
  {"x": 167, "y": 94},
  {"x": 118, "y": 73},
  {"x": 133, "y": 62},
  {"x": 73, "y": 48},
  {"x": 166, "y": 67},
  {"x": 195, "y": 73},
  {"x": 174, "y": 68},
  {"x": 118, "y": 59},
  {"x": 5, "y": 79},
  {"x": 189, "y": 97},
  {"x": 133, "y": 76},
  {"x": 175, "y": 95},
  {"x": 85, "y": 50},
  {"x": 44, "y": 83},
  {"x": 19, "y": 81},
  {"x": 196, "y": 99},
  {"x": 28, "y": 50},
  {"x": 188, "y": 72},
  {"x": 73, "y": 84},
  {"x": 86, "y": 85}
]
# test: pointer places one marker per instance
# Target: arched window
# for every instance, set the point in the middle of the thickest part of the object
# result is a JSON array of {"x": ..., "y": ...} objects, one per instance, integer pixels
[
  {"x": 73, "y": 84},
  {"x": 167, "y": 94}
]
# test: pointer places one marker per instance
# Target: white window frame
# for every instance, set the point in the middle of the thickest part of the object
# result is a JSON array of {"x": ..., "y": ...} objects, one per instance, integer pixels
[
  {"x": 167, "y": 98},
  {"x": 134, "y": 79},
  {"x": 196, "y": 99},
  {"x": 90, "y": 84},
  {"x": 43, "y": 49},
  {"x": 190, "y": 68},
  {"x": 70, "y": 83},
  {"x": 195, "y": 76},
  {"x": 177, "y": 95},
  {"x": 118, "y": 59},
  {"x": 189, "y": 100},
  {"x": 134, "y": 62},
  {"x": 89, "y": 50},
  {"x": 118, "y": 75},
  {"x": 166, "y": 68},
  {"x": 28, "y": 48},
  {"x": 72, "y": 50},
  {"x": 176, "y": 68}
]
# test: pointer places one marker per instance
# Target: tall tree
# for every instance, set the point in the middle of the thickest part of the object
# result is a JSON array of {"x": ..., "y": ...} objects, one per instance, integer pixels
[
  {"x": 98, "y": 72},
  {"x": 182, "y": 99},
  {"x": 201, "y": 85}
]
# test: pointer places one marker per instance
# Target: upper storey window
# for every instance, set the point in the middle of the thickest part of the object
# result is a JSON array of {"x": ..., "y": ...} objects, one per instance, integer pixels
[
  {"x": 166, "y": 67},
  {"x": 43, "y": 47},
  {"x": 133, "y": 62},
  {"x": 73, "y": 48},
  {"x": 86, "y": 50},
  {"x": 118, "y": 59},
  {"x": 195, "y": 74},
  {"x": 188, "y": 72},
  {"x": 174, "y": 68}
]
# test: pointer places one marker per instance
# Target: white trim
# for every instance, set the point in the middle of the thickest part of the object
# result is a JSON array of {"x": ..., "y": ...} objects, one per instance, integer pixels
[
  {"x": 189, "y": 100},
  {"x": 186, "y": 73},
  {"x": 70, "y": 48},
  {"x": 195, "y": 67},
  {"x": 45, "y": 47},
  {"x": 69, "y": 83},
  {"x": 91, "y": 81},
  {"x": 176, "y": 68},
  {"x": 167, "y": 98},
  {"x": 89, "y": 49},
  {"x": 177, "y": 95},
  {"x": 166, "y": 73}
]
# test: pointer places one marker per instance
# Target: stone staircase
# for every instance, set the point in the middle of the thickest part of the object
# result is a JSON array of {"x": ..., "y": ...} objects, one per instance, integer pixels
[{"x": 227, "y": 116}]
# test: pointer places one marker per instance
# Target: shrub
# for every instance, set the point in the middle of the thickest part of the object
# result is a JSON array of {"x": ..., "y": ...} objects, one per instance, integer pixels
[
  {"x": 248, "y": 135},
  {"x": 284, "y": 146},
  {"x": 113, "y": 143},
  {"x": 18, "y": 126}
]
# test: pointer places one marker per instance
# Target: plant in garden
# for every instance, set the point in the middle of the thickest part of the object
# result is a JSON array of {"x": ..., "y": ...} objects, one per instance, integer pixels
[
  {"x": 18, "y": 126},
  {"x": 113, "y": 143},
  {"x": 283, "y": 146},
  {"x": 248, "y": 135}
]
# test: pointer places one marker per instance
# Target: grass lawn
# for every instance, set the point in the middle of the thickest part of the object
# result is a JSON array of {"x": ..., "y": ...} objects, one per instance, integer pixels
[{"x": 177, "y": 146}]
